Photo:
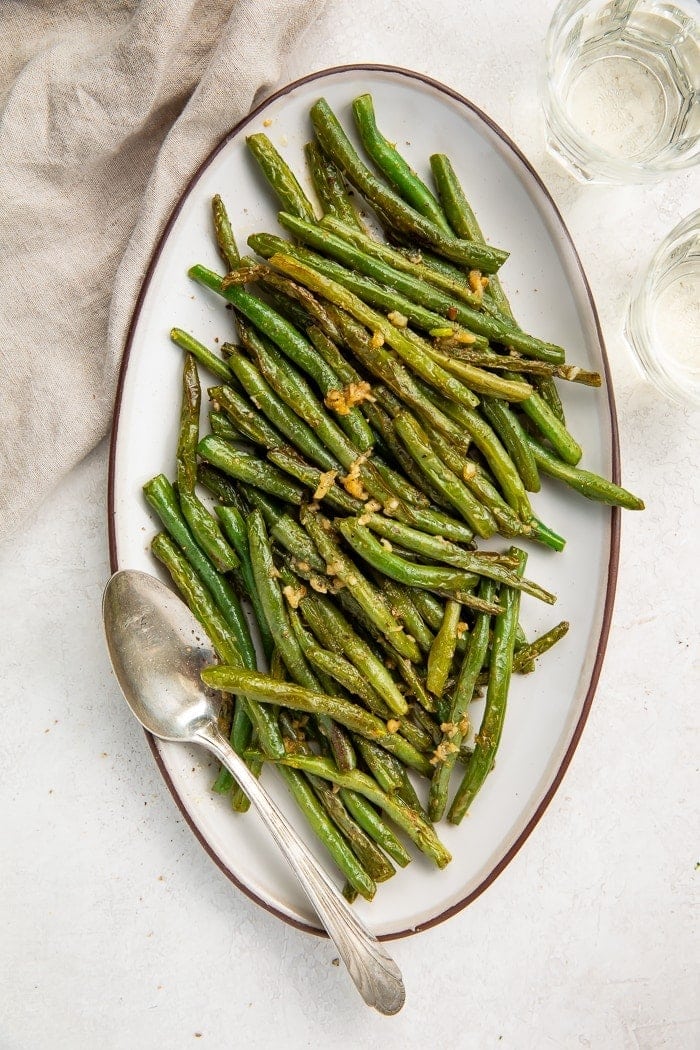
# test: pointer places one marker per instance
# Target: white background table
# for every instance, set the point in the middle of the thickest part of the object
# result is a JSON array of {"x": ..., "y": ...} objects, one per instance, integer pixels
[{"x": 118, "y": 932}]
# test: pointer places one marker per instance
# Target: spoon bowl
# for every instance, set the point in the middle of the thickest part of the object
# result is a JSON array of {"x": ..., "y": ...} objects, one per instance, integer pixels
[{"x": 158, "y": 650}]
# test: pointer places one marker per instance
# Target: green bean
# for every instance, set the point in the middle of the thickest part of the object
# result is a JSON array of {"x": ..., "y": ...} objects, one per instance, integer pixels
[
  {"x": 333, "y": 630},
  {"x": 349, "y": 677},
  {"x": 371, "y": 822},
  {"x": 392, "y": 165},
  {"x": 293, "y": 345},
  {"x": 252, "y": 424},
  {"x": 532, "y": 650},
  {"x": 454, "y": 283},
  {"x": 547, "y": 389},
  {"x": 312, "y": 478},
  {"x": 403, "y": 607},
  {"x": 414, "y": 683},
  {"x": 225, "y": 240},
  {"x": 287, "y": 308},
  {"x": 203, "y": 527},
  {"x": 537, "y": 370},
  {"x": 205, "y": 357},
  {"x": 543, "y": 534},
  {"x": 336, "y": 145},
  {"x": 297, "y": 394},
  {"x": 464, "y": 224},
  {"x": 286, "y": 530},
  {"x": 410, "y": 821},
  {"x": 275, "y": 611},
  {"x": 316, "y": 312},
  {"x": 222, "y": 426},
  {"x": 280, "y": 176},
  {"x": 161, "y": 496},
  {"x": 379, "y": 765},
  {"x": 461, "y": 218},
  {"x": 365, "y": 593},
  {"x": 299, "y": 698},
  {"x": 442, "y": 650},
  {"x": 188, "y": 437},
  {"x": 524, "y": 658},
  {"x": 509, "y": 429},
  {"x": 381, "y": 423},
  {"x": 411, "y": 352},
  {"x": 370, "y": 857},
  {"x": 332, "y": 355},
  {"x": 283, "y": 378},
  {"x": 430, "y": 577},
  {"x": 494, "y": 453},
  {"x": 399, "y": 485},
  {"x": 489, "y": 735},
  {"x": 234, "y": 526},
  {"x": 200, "y": 604},
  {"x": 222, "y": 487},
  {"x": 338, "y": 740},
  {"x": 279, "y": 414},
  {"x": 588, "y": 484},
  {"x": 457, "y": 721},
  {"x": 245, "y": 467},
  {"x": 438, "y": 549},
  {"x": 324, "y": 240},
  {"x": 365, "y": 289},
  {"x": 329, "y": 186},
  {"x": 340, "y": 669},
  {"x": 273, "y": 603},
  {"x": 420, "y": 293},
  {"x": 326, "y": 831},
  {"x": 458, "y": 495},
  {"x": 566, "y": 447},
  {"x": 223, "y": 639},
  {"x": 434, "y": 547},
  {"x": 384, "y": 364},
  {"x": 430, "y": 607},
  {"x": 389, "y": 774}
]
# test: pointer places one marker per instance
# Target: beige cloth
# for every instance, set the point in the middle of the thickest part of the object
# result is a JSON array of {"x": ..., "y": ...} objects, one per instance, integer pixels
[{"x": 106, "y": 109}]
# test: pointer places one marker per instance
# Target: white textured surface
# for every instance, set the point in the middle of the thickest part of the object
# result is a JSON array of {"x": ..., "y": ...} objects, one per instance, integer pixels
[{"x": 117, "y": 930}]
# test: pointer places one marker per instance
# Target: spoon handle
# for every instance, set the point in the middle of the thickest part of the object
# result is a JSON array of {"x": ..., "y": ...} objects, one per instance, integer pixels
[{"x": 376, "y": 975}]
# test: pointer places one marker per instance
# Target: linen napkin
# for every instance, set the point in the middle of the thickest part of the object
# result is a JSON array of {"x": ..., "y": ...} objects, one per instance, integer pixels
[{"x": 106, "y": 110}]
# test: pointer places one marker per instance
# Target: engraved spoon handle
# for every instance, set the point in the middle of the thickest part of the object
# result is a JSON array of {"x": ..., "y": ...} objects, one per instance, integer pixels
[{"x": 374, "y": 972}]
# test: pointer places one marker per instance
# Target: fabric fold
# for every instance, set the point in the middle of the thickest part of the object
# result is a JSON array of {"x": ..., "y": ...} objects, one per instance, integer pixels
[{"x": 115, "y": 107}]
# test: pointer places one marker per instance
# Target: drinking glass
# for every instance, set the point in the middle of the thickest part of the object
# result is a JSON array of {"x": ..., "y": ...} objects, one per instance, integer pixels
[
  {"x": 622, "y": 88},
  {"x": 663, "y": 319}
]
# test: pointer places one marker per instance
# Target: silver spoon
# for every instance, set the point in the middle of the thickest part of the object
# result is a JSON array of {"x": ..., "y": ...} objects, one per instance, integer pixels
[{"x": 158, "y": 649}]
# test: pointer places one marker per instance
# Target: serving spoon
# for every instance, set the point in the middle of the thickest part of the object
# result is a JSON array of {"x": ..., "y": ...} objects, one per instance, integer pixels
[{"x": 158, "y": 650}]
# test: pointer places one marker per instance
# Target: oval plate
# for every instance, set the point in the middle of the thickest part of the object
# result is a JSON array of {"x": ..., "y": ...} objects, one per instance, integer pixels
[{"x": 551, "y": 297}]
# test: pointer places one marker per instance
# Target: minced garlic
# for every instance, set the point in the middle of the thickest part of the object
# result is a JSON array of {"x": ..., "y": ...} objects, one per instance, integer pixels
[
  {"x": 325, "y": 484},
  {"x": 341, "y": 401},
  {"x": 441, "y": 752},
  {"x": 294, "y": 595}
]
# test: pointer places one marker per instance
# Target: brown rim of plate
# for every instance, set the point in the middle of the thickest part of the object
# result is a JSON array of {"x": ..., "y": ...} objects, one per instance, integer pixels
[{"x": 614, "y": 511}]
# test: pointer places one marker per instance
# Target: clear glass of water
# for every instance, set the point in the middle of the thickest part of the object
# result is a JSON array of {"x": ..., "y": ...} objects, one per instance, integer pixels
[
  {"x": 663, "y": 318},
  {"x": 622, "y": 88}
]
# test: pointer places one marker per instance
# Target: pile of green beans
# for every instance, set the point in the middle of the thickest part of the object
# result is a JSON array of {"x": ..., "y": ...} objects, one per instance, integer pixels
[{"x": 380, "y": 413}]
